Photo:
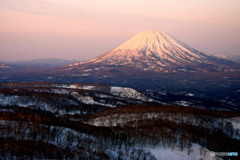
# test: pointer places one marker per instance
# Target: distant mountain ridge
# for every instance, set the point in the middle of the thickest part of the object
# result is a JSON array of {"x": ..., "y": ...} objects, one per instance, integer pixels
[
  {"x": 234, "y": 58},
  {"x": 52, "y": 61},
  {"x": 35, "y": 64}
]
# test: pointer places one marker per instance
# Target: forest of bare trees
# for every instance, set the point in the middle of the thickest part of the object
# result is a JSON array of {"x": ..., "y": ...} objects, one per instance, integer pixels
[{"x": 38, "y": 135}]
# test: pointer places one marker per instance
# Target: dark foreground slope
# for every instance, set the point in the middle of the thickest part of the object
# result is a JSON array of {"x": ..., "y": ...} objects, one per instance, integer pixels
[{"x": 39, "y": 135}]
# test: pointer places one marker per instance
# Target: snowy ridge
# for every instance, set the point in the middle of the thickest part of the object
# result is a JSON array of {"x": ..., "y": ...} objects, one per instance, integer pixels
[
  {"x": 123, "y": 92},
  {"x": 52, "y": 97},
  {"x": 89, "y": 100},
  {"x": 4, "y": 66},
  {"x": 130, "y": 93}
]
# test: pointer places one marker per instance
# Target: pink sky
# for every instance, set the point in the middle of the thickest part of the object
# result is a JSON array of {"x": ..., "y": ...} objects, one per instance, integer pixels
[{"x": 32, "y": 29}]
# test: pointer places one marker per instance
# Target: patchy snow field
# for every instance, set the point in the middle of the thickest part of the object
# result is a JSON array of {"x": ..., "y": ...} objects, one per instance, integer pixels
[{"x": 162, "y": 153}]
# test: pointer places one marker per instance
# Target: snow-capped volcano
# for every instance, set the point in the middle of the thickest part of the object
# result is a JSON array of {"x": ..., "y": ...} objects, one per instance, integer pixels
[
  {"x": 151, "y": 51},
  {"x": 152, "y": 48}
]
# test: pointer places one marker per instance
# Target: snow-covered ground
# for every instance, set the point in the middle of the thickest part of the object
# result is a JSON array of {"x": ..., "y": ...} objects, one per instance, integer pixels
[
  {"x": 129, "y": 93},
  {"x": 162, "y": 153},
  {"x": 89, "y": 100},
  {"x": 235, "y": 122}
]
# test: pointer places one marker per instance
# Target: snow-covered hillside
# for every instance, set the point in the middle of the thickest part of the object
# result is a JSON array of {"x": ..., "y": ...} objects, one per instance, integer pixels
[
  {"x": 66, "y": 137},
  {"x": 119, "y": 91},
  {"x": 52, "y": 97},
  {"x": 134, "y": 119}
]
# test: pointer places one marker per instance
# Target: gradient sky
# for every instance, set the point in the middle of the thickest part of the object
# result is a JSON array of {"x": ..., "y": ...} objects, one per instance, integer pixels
[{"x": 84, "y": 29}]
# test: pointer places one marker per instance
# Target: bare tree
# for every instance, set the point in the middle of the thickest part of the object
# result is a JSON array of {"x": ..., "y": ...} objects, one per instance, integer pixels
[
  {"x": 139, "y": 153},
  {"x": 189, "y": 148},
  {"x": 132, "y": 155},
  {"x": 120, "y": 154},
  {"x": 70, "y": 138},
  {"x": 201, "y": 150},
  {"x": 204, "y": 152}
]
